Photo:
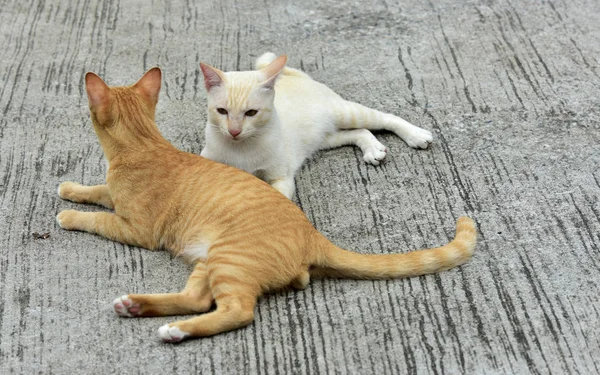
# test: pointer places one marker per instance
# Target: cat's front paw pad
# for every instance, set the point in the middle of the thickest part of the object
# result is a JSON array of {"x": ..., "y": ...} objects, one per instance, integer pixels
[
  {"x": 375, "y": 153},
  {"x": 66, "y": 189},
  {"x": 418, "y": 138},
  {"x": 66, "y": 219},
  {"x": 125, "y": 306},
  {"x": 171, "y": 334}
]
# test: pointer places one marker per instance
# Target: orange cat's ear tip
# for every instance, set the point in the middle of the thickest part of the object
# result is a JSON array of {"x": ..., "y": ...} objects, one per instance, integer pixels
[
  {"x": 155, "y": 70},
  {"x": 92, "y": 78},
  {"x": 89, "y": 75}
]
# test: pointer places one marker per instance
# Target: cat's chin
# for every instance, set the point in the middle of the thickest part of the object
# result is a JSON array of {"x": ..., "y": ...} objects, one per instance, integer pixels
[
  {"x": 229, "y": 138},
  {"x": 239, "y": 138}
]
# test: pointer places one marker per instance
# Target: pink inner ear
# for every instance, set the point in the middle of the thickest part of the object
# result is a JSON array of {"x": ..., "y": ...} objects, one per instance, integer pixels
[
  {"x": 96, "y": 89},
  {"x": 212, "y": 76},
  {"x": 274, "y": 67},
  {"x": 271, "y": 71}
]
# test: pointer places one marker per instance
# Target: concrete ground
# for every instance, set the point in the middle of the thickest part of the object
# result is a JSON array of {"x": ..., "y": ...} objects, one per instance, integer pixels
[{"x": 510, "y": 90}]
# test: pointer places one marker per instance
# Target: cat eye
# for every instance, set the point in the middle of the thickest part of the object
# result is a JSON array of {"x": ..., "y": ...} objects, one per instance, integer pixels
[
  {"x": 222, "y": 111},
  {"x": 251, "y": 112}
]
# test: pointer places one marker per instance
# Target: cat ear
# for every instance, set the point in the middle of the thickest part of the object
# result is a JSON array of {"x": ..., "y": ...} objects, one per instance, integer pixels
[
  {"x": 96, "y": 89},
  {"x": 213, "y": 77},
  {"x": 272, "y": 70},
  {"x": 149, "y": 85}
]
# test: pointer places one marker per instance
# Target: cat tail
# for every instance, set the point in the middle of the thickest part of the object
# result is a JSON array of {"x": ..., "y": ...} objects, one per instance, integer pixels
[
  {"x": 264, "y": 60},
  {"x": 333, "y": 261},
  {"x": 268, "y": 57},
  {"x": 350, "y": 115}
]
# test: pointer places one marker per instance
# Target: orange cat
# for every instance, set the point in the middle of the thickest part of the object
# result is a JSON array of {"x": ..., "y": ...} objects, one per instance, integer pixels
[{"x": 244, "y": 237}]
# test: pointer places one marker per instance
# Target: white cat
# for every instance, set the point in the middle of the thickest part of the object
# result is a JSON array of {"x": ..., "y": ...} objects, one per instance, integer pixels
[{"x": 268, "y": 121}]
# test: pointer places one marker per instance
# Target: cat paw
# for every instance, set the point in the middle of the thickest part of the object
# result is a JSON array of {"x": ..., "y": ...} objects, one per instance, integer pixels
[
  {"x": 66, "y": 219},
  {"x": 125, "y": 306},
  {"x": 418, "y": 138},
  {"x": 171, "y": 334},
  {"x": 285, "y": 186},
  {"x": 375, "y": 153},
  {"x": 65, "y": 189}
]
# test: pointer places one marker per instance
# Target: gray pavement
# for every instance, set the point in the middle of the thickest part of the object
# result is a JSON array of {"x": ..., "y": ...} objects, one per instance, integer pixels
[{"x": 510, "y": 90}]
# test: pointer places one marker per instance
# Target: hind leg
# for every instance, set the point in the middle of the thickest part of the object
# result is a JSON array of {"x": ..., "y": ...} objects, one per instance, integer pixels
[
  {"x": 350, "y": 115},
  {"x": 414, "y": 136},
  {"x": 232, "y": 312},
  {"x": 373, "y": 150},
  {"x": 235, "y": 291},
  {"x": 194, "y": 298}
]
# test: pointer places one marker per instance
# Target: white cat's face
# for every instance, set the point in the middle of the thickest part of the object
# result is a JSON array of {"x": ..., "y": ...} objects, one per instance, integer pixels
[{"x": 241, "y": 106}]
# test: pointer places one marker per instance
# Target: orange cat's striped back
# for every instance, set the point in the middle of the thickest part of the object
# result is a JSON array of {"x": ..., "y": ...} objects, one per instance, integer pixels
[{"x": 243, "y": 236}]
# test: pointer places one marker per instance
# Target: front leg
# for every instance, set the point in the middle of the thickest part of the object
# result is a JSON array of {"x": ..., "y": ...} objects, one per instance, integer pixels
[
  {"x": 285, "y": 185},
  {"x": 280, "y": 177},
  {"x": 107, "y": 225},
  {"x": 75, "y": 192}
]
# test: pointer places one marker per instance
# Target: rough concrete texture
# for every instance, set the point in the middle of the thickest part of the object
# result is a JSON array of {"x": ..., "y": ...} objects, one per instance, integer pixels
[{"x": 510, "y": 90}]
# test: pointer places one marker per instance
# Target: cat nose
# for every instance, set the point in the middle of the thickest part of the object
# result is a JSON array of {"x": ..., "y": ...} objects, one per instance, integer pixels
[{"x": 234, "y": 132}]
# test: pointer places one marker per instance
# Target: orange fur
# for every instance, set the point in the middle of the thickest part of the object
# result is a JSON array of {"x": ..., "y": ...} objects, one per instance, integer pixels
[{"x": 244, "y": 237}]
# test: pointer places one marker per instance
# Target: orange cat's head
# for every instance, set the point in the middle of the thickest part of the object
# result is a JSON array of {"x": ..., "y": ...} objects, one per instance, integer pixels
[
  {"x": 241, "y": 103},
  {"x": 123, "y": 116}
]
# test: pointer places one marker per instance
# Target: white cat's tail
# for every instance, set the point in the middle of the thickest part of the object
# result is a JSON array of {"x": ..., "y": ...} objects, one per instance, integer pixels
[
  {"x": 264, "y": 60},
  {"x": 350, "y": 115},
  {"x": 267, "y": 58},
  {"x": 334, "y": 261}
]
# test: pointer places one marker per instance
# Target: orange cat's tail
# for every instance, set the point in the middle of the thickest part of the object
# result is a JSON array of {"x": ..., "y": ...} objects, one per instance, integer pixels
[{"x": 334, "y": 261}]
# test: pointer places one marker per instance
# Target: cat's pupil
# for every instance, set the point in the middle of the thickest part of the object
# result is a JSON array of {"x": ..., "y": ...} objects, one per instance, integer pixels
[
  {"x": 251, "y": 112},
  {"x": 222, "y": 111}
]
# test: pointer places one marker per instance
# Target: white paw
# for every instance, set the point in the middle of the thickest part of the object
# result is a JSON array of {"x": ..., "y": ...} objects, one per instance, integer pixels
[
  {"x": 124, "y": 306},
  {"x": 171, "y": 334},
  {"x": 417, "y": 137},
  {"x": 285, "y": 186},
  {"x": 375, "y": 152}
]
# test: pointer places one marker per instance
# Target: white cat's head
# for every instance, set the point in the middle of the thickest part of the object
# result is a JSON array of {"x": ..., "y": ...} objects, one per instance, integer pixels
[{"x": 240, "y": 104}]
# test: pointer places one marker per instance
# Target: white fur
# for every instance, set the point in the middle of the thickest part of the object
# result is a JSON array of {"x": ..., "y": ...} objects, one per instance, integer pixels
[
  {"x": 171, "y": 334},
  {"x": 373, "y": 150},
  {"x": 307, "y": 116},
  {"x": 196, "y": 251},
  {"x": 120, "y": 308}
]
